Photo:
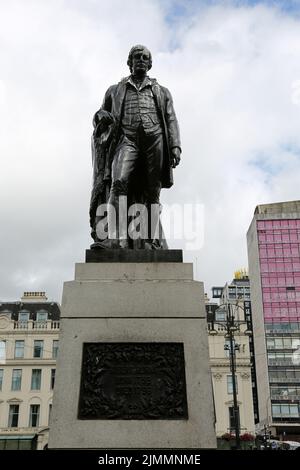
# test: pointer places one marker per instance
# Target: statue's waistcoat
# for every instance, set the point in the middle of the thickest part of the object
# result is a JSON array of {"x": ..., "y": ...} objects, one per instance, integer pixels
[{"x": 140, "y": 110}]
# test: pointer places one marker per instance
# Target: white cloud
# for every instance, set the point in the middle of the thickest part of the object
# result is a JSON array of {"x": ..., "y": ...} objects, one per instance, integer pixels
[{"x": 232, "y": 76}]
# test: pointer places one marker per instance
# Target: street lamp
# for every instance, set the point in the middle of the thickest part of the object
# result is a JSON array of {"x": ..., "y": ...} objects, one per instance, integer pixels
[
  {"x": 267, "y": 436},
  {"x": 231, "y": 327}
]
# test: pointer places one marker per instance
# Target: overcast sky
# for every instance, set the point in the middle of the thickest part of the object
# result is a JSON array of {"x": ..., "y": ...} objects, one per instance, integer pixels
[{"x": 233, "y": 69}]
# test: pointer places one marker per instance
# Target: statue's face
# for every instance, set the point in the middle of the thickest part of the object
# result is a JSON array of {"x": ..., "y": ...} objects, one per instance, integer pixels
[{"x": 140, "y": 61}]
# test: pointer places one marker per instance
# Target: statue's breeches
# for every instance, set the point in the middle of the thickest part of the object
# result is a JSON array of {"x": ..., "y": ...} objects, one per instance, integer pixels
[{"x": 138, "y": 151}]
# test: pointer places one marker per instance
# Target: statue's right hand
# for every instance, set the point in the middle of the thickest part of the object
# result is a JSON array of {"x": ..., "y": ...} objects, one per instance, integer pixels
[{"x": 105, "y": 117}]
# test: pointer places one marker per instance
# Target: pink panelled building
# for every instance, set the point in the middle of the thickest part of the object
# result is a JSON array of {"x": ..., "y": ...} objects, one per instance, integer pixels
[{"x": 274, "y": 270}]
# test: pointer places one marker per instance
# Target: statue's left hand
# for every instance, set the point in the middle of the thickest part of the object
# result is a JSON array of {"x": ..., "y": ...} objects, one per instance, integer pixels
[{"x": 175, "y": 156}]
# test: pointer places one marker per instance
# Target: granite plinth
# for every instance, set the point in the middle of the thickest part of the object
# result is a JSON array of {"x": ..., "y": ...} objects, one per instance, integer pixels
[
  {"x": 98, "y": 255},
  {"x": 121, "y": 306}
]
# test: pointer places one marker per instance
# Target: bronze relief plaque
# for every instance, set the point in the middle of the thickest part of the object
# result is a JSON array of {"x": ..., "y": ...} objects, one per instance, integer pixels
[{"x": 133, "y": 381}]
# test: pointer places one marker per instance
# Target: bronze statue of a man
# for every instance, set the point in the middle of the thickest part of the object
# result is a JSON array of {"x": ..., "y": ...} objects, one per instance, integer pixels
[{"x": 135, "y": 144}]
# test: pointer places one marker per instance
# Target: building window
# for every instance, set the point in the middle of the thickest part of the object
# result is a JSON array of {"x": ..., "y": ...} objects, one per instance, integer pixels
[
  {"x": 220, "y": 315},
  {"x": 284, "y": 357},
  {"x": 16, "y": 379},
  {"x": 50, "y": 412},
  {"x": 13, "y": 416},
  {"x": 232, "y": 418},
  {"x": 52, "y": 381},
  {"x": 19, "y": 349},
  {"x": 227, "y": 347},
  {"x": 286, "y": 392},
  {"x": 1, "y": 378},
  {"x": 41, "y": 316},
  {"x": 38, "y": 348},
  {"x": 270, "y": 343},
  {"x": 54, "y": 348},
  {"x": 285, "y": 410},
  {"x": 295, "y": 343},
  {"x": 36, "y": 379},
  {"x": 230, "y": 385},
  {"x": 23, "y": 316},
  {"x": 2, "y": 351},
  {"x": 217, "y": 292},
  {"x": 34, "y": 416}
]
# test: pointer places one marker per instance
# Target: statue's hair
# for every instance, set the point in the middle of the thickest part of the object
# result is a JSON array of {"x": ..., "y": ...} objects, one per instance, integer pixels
[{"x": 132, "y": 50}]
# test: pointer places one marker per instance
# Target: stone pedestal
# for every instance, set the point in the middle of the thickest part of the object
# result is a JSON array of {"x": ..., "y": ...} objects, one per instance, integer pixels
[{"x": 133, "y": 367}]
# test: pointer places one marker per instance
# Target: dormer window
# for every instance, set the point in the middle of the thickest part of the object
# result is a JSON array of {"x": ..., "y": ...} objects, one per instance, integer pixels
[
  {"x": 23, "y": 316},
  {"x": 41, "y": 316}
]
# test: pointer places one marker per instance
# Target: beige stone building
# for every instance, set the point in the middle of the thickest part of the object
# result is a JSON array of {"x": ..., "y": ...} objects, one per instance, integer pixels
[
  {"x": 29, "y": 332},
  {"x": 222, "y": 377},
  {"x": 222, "y": 383}
]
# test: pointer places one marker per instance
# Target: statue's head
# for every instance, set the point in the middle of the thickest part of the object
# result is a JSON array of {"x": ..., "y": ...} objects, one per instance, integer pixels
[{"x": 139, "y": 59}]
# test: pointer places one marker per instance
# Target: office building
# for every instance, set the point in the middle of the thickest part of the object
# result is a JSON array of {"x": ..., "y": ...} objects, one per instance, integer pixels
[{"x": 274, "y": 270}]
